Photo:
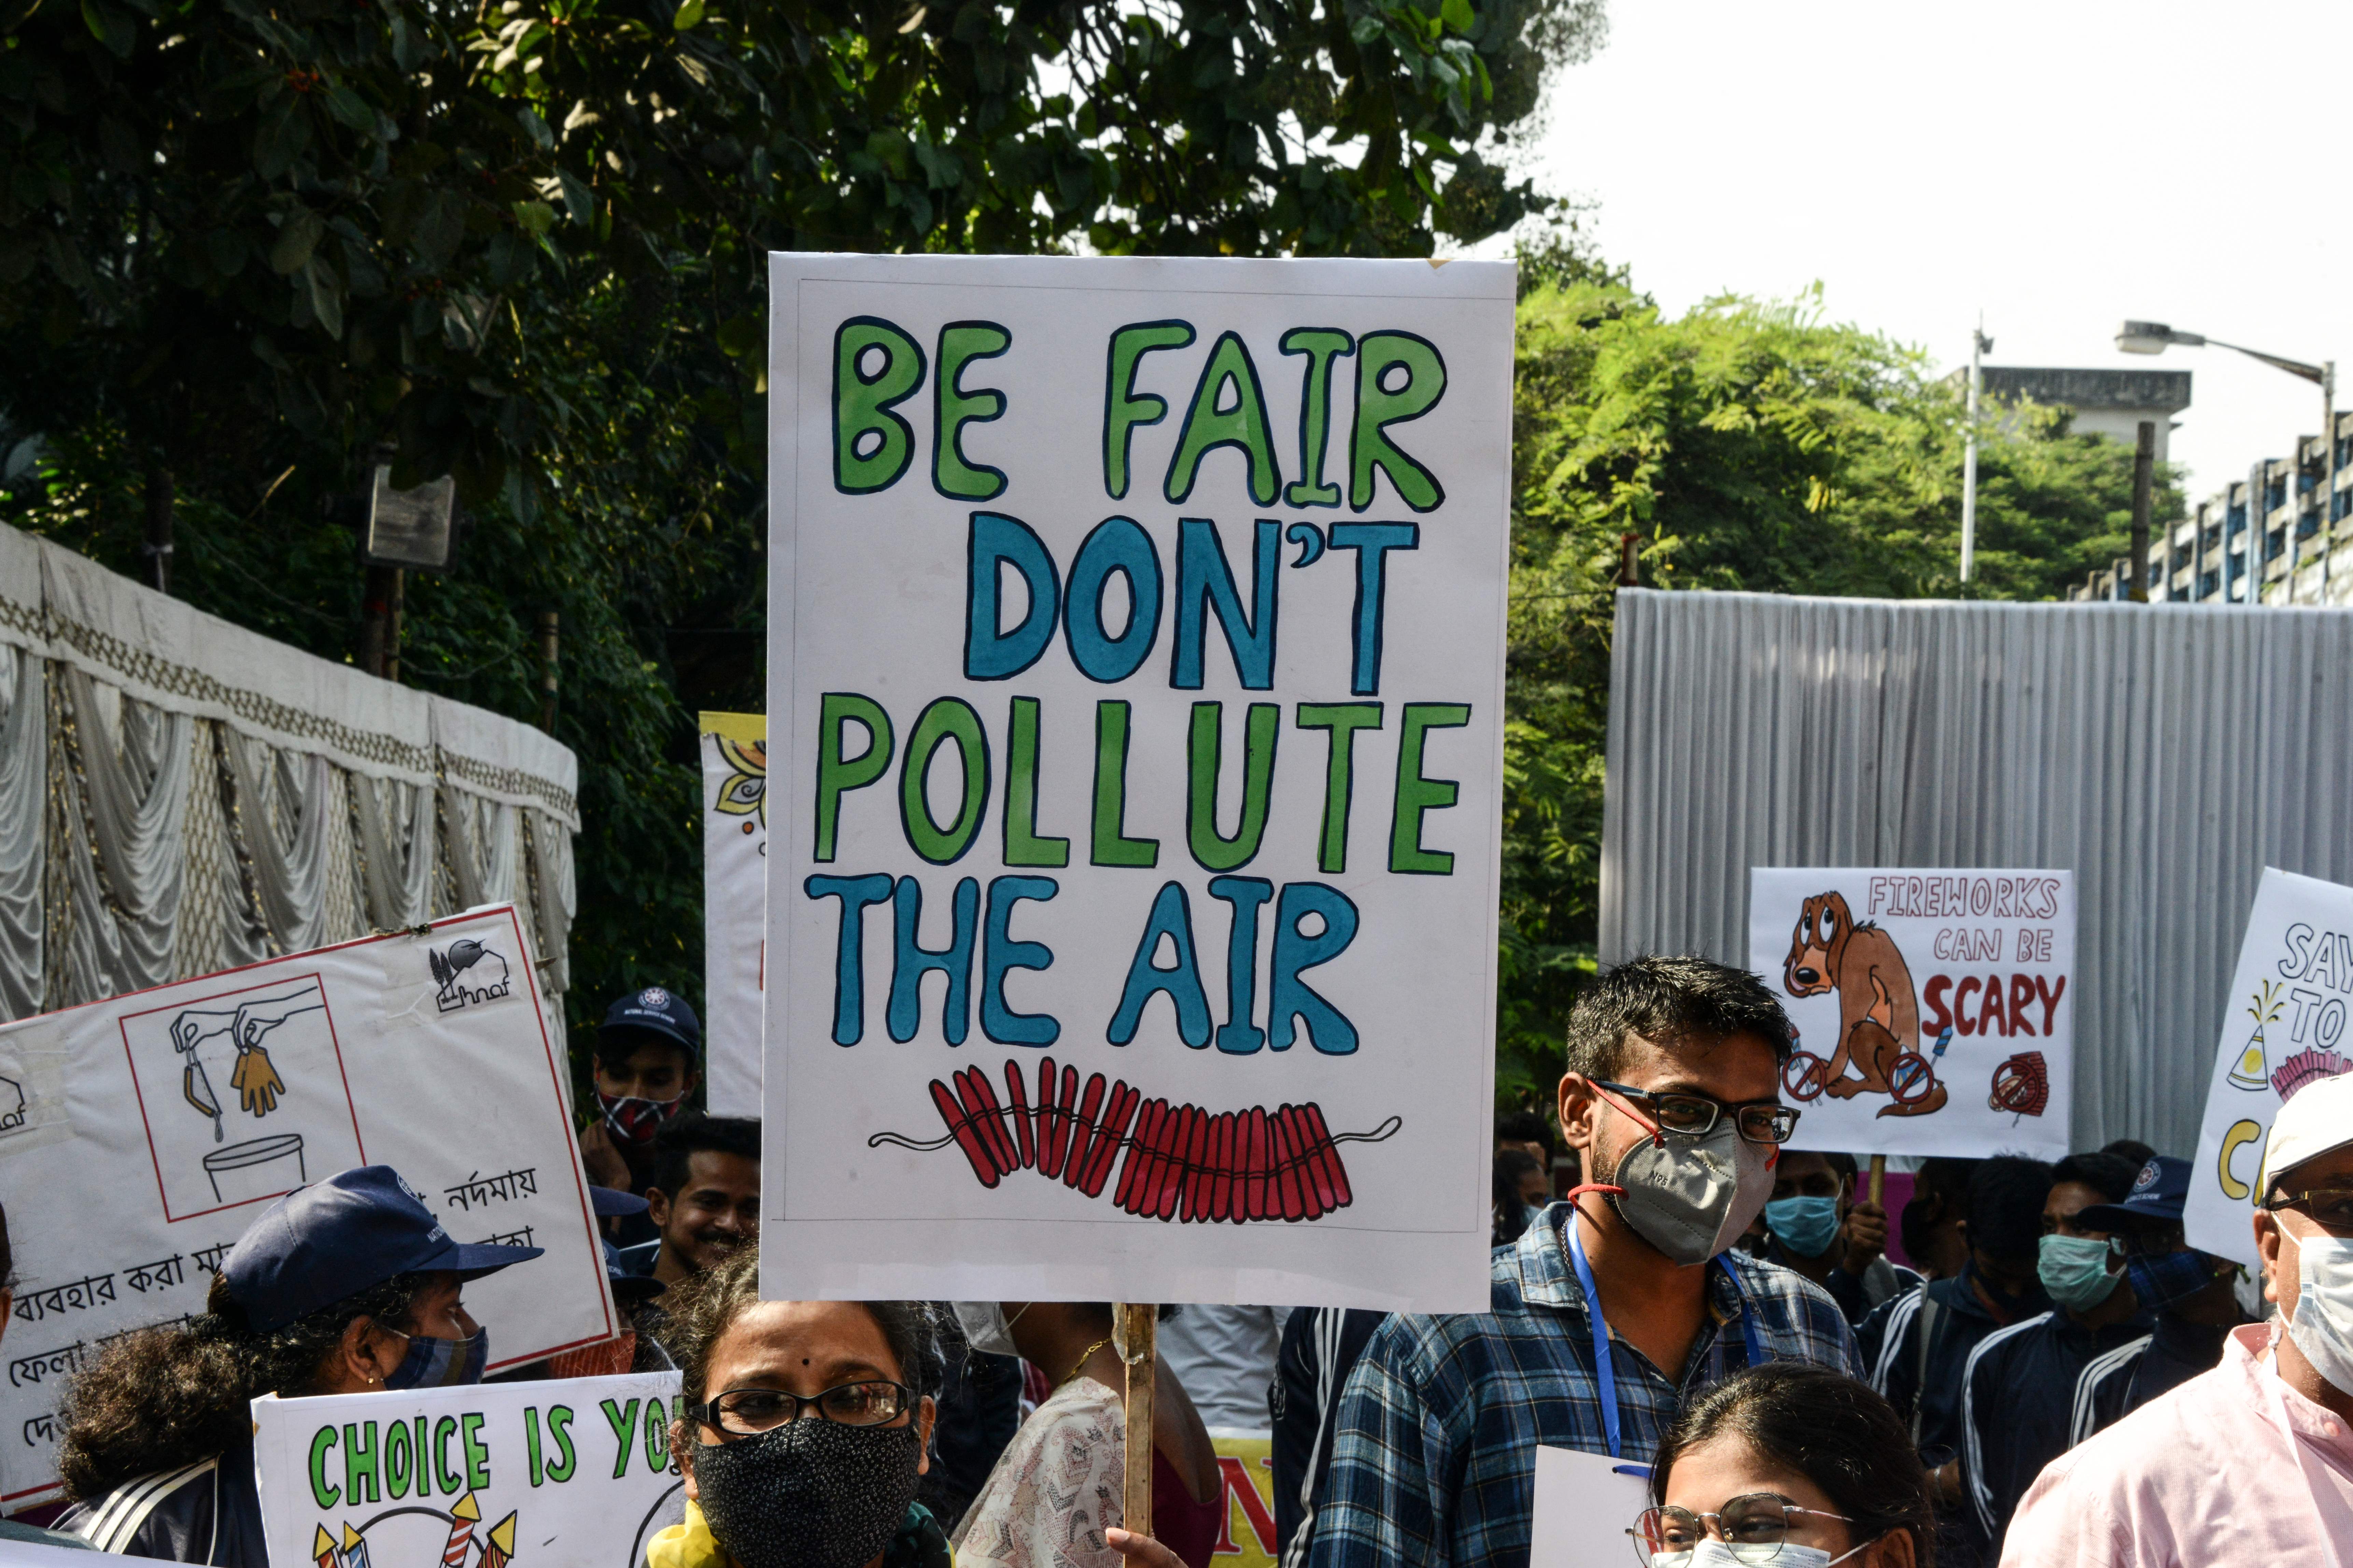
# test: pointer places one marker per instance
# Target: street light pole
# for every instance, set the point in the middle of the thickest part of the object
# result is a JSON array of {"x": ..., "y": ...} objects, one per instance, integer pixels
[
  {"x": 1979, "y": 345},
  {"x": 2156, "y": 337}
]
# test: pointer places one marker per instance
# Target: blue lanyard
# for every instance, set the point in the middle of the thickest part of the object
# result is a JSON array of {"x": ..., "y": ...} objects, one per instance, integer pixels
[{"x": 1604, "y": 1369}]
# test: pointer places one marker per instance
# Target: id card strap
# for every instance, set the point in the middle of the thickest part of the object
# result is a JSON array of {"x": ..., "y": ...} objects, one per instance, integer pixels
[{"x": 1605, "y": 1371}]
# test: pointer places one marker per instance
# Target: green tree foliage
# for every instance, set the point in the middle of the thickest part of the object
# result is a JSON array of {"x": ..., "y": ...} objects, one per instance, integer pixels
[
  {"x": 1746, "y": 445},
  {"x": 244, "y": 246}
]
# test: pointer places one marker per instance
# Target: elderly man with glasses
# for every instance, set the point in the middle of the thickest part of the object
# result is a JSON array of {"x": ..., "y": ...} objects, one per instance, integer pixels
[
  {"x": 2251, "y": 1462},
  {"x": 1616, "y": 1305}
]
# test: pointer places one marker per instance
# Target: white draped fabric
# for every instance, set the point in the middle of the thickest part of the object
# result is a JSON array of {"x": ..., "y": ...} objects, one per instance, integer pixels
[{"x": 179, "y": 795}]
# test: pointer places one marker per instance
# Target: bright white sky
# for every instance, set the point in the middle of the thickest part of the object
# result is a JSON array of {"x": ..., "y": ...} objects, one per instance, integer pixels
[{"x": 2061, "y": 166}]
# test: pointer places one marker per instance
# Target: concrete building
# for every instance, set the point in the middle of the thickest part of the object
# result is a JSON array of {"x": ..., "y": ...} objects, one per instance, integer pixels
[
  {"x": 2303, "y": 557},
  {"x": 2110, "y": 403}
]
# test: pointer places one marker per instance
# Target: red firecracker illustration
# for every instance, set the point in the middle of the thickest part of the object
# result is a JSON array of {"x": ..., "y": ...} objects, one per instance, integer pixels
[
  {"x": 1182, "y": 1162},
  {"x": 2022, "y": 1086}
]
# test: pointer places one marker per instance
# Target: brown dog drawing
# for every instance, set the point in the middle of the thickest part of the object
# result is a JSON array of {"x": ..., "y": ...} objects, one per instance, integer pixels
[{"x": 1878, "y": 1012}]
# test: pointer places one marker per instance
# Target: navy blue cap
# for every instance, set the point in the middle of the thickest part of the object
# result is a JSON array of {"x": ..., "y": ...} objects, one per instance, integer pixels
[
  {"x": 2158, "y": 1197},
  {"x": 629, "y": 1288},
  {"x": 322, "y": 1243},
  {"x": 612, "y": 1203},
  {"x": 657, "y": 1011}
]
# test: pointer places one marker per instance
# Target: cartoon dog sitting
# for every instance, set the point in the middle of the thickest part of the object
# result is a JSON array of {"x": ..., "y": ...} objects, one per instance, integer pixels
[{"x": 1879, "y": 1013}]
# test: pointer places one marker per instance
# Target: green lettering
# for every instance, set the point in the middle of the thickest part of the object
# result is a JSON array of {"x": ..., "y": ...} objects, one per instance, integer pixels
[
  {"x": 1343, "y": 720},
  {"x": 1369, "y": 445},
  {"x": 451, "y": 1481},
  {"x": 1022, "y": 845},
  {"x": 947, "y": 719},
  {"x": 478, "y": 1453},
  {"x": 863, "y": 405},
  {"x": 1209, "y": 426},
  {"x": 531, "y": 1443},
  {"x": 559, "y": 1427},
  {"x": 622, "y": 1419},
  {"x": 1125, "y": 408},
  {"x": 400, "y": 1465},
  {"x": 1203, "y": 752},
  {"x": 1416, "y": 795},
  {"x": 323, "y": 1491},
  {"x": 423, "y": 1468},
  {"x": 1111, "y": 847},
  {"x": 360, "y": 1463},
  {"x": 838, "y": 774},
  {"x": 953, "y": 408},
  {"x": 1321, "y": 345},
  {"x": 657, "y": 1436}
]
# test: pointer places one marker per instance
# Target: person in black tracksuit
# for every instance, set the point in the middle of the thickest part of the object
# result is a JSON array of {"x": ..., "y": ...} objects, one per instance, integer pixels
[
  {"x": 2190, "y": 1291},
  {"x": 1320, "y": 1345},
  {"x": 347, "y": 1286},
  {"x": 1916, "y": 1346},
  {"x": 2018, "y": 1390}
]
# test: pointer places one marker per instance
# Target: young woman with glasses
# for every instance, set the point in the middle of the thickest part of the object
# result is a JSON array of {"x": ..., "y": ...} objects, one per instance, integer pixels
[
  {"x": 806, "y": 1425},
  {"x": 1789, "y": 1465}
]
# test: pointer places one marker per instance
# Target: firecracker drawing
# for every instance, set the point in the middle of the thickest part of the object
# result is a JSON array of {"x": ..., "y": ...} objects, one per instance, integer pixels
[
  {"x": 461, "y": 1540},
  {"x": 1182, "y": 1162},
  {"x": 2253, "y": 1069},
  {"x": 2022, "y": 1086},
  {"x": 744, "y": 791}
]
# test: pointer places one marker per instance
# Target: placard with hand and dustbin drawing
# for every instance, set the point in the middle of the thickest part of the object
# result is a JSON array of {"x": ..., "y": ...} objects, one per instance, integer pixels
[{"x": 192, "y": 1106}]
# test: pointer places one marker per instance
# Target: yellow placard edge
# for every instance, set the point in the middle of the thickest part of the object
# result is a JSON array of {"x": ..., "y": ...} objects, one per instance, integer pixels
[{"x": 744, "y": 729}]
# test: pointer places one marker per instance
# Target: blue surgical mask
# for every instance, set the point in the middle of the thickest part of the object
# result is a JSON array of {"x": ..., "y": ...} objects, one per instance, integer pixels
[
  {"x": 2075, "y": 1270},
  {"x": 441, "y": 1363},
  {"x": 2161, "y": 1279},
  {"x": 1806, "y": 1227}
]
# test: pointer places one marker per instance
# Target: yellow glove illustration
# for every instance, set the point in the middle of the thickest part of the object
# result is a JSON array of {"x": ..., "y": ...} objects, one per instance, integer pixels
[{"x": 257, "y": 1082}]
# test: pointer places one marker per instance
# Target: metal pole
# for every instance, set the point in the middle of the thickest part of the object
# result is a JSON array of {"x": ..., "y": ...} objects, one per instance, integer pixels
[
  {"x": 2328, "y": 469},
  {"x": 1627, "y": 575},
  {"x": 2143, "y": 472},
  {"x": 158, "y": 545},
  {"x": 1969, "y": 456},
  {"x": 548, "y": 625},
  {"x": 392, "y": 626}
]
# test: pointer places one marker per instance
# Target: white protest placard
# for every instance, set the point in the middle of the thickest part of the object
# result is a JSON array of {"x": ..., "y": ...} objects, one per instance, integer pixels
[
  {"x": 574, "y": 1472},
  {"x": 1934, "y": 1006},
  {"x": 1136, "y": 664},
  {"x": 1585, "y": 1504},
  {"x": 735, "y": 901},
  {"x": 186, "y": 1108},
  {"x": 2284, "y": 1029}
]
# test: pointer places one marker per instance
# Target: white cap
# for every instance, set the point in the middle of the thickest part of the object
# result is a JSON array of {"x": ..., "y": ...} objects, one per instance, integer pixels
[{"x": 2316, "y": 1119}]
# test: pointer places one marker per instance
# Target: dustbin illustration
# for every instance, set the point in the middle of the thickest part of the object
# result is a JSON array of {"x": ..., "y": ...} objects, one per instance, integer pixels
[{"x": 258, "y": 1168}]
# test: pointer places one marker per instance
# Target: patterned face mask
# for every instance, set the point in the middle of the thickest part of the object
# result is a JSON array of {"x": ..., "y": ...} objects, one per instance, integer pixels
[
  {"x": 808, "y": 1494},
  {"x": 634, "y": 1120},
  {"x": 441, "y": 1363}
]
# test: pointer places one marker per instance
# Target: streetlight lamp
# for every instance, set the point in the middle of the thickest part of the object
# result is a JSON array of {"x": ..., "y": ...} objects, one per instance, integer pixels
[{"x": 2156, "y": 337}]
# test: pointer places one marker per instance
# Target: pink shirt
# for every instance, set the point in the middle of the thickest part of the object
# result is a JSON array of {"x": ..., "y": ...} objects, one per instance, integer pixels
[{"x": 2232, "y": 1466}]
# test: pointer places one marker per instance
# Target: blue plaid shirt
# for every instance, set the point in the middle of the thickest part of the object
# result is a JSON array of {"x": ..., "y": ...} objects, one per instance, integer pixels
[{"x": 1435, "y": 1458}]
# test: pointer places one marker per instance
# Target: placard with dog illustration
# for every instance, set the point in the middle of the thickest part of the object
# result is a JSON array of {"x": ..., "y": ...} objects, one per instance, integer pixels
[{"x": 1934, "y": 1008}]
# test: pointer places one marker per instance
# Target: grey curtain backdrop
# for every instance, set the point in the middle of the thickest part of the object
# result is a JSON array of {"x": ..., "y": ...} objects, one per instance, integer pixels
[
  {"x": 2164, "y": 753},
  {"x": 179, "y": 795}
]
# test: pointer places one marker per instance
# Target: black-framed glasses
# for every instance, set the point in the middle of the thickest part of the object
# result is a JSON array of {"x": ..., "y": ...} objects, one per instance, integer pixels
[
  {"x": 1694, "y": 1115},
  {"x": 1757, "y": 1520},
  {"x": 2329, "y": 1208},
  {"x": 748, "y": 1412}
]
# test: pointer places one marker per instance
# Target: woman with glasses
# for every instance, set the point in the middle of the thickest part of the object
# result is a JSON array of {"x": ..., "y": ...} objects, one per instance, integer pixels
[
  {"x": 1791, "y": 1466},
  {"x": 806, "y": 1425}
]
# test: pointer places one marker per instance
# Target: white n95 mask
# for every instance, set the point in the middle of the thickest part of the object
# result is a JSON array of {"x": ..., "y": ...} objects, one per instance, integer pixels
[
  {"x": 2322, "y": 1326},
  {"x": 986, "y": 1328}
]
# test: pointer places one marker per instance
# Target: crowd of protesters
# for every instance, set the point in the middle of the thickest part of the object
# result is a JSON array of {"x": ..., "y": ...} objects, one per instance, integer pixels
[{"x": 2026, "y": 1365}]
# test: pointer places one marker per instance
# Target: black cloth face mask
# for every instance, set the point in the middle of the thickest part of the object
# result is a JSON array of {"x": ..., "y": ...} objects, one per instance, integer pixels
[{"x": 808, "y": 1494}]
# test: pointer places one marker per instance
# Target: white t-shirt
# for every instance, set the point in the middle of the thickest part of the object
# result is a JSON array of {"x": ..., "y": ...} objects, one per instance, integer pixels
[{"x": 1224, "y": 1357}]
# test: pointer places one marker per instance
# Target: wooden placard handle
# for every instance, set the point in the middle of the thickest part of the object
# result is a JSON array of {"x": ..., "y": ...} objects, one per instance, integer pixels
[
  {"x": 1878, "y": 1176},
  {"x": 1135, "y": 1331}
]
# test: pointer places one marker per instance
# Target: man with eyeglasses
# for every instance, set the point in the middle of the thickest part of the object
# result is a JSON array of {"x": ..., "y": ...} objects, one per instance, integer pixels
[
  {"x": 2251, "y": 1462},
  {"x": 1614, "y": 1308}
]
